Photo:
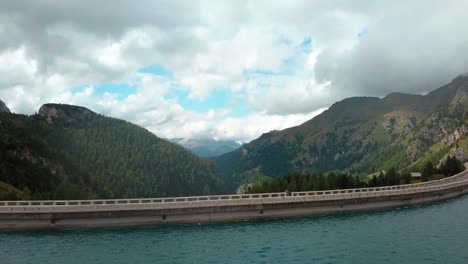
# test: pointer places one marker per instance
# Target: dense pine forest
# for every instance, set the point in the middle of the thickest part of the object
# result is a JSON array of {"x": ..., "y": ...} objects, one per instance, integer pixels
[{"x": 69, "y": 152}]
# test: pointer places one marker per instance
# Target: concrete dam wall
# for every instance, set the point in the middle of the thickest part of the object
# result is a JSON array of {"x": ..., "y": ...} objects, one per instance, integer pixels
[{"x": 198, "y": 209}]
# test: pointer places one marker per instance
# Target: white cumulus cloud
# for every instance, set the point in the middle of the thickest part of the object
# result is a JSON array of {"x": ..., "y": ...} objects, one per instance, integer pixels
[{"x": 282, "y": 61}]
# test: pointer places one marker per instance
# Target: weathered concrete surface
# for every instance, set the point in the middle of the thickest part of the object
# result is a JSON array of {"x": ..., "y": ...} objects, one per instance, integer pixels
[{"x": 77, "y": 215}]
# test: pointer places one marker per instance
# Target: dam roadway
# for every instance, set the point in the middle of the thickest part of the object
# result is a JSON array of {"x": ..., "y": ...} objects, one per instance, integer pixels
[{"x": 198, "y": 209}]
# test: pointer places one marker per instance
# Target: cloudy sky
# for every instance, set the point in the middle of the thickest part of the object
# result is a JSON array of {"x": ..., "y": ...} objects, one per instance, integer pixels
[{"x": 224, "y": 69}]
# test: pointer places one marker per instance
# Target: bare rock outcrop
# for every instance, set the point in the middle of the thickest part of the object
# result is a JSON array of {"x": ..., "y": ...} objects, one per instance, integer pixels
[
  {"x": 3, "y": 107},
  {"x": 66, "y": 113}
]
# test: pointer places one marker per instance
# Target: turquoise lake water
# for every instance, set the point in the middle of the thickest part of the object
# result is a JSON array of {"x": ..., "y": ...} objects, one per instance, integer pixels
[{"x": 435, "y": 233}]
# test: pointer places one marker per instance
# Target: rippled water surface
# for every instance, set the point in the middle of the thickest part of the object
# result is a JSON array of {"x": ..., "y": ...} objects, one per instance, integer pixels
[{"x": 436, "y": 233}]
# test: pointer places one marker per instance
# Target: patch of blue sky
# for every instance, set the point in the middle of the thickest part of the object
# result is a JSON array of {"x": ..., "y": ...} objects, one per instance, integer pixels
[
  {"x": 156, "y": 70},
  {"x": 290, "y": 63},
  {"x": 237, "y": 106},
  {"x": 79, "y": 88},
  {"x": 218, "y": 99},
  {"x": 297, "y": 59},
  {"x": 249, "y": 73},
  {"x": 293, "y": 63},
  {"x": 263, "y": 85},
  {"x": 285, "y": 40},
  {"x": 306, "y": 45},
  {"x": 362, "y": 33},
  {"x": 239, "y": 110},
  {"x": 120, "y": 90}
]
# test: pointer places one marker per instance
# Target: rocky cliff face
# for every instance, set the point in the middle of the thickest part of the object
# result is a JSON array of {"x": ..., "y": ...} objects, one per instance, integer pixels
[
  {"x": 63, "y": 112},
  {"x": 3, "y": 107},
  {"x": 460, "y": 100}
]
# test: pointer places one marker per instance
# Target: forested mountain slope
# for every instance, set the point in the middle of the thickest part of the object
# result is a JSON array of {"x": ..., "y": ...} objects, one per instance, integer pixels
[
  {"x": 206, "y": 147},
  {"x": 360, "y": 135},
  {"x": 71, "y": 152}
]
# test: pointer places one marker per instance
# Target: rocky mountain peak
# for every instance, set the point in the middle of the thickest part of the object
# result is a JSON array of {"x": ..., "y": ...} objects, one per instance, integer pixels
[
  {"x": 460, "y": 100},
  {"x": 3, "y": 107},
  {"x": 67, "y": 113}
]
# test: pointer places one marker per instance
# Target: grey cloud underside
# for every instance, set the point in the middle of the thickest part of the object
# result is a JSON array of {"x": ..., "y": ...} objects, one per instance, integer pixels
[
  {"x": 56, "y": 33},
  {"x": 410, "y": 47},
  {"x": 107, "y": 18},
  {"x": 413, "y": 50}
]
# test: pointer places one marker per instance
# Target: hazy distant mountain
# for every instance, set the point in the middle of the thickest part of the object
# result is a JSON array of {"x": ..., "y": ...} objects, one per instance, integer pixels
[
  {"x": 3, "y": 107},
  {"x": 71, "y": 152},
  {"x": 361, "y": 135},
  {"x": 207, "y": 147}
]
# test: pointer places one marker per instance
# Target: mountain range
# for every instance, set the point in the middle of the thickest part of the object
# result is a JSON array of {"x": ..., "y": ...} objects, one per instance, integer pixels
[
  {"x": 206, "y": 147},
  {"x": 361, "y": 135},
  {"x": 69, "y": 152}
]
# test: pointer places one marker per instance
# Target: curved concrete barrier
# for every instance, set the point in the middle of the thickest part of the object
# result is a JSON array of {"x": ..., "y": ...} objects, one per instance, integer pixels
[{"x": 194, "y": 209}]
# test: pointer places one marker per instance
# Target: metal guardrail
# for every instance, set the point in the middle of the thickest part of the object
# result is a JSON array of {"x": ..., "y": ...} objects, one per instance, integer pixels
[
  {"x": 234, "y": 199},
  {"x": 393, "y": 187}
]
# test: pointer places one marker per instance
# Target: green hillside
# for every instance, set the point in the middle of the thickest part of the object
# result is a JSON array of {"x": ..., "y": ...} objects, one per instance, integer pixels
[
  {"x": 360, "y": 135},
  {"x": 67, "y": 152}
]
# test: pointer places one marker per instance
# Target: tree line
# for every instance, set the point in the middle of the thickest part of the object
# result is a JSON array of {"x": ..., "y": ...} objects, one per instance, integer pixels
[{"x": 298, "y": 181}]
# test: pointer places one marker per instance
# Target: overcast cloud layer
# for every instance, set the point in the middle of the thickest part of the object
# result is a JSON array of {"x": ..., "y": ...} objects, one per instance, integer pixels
[{"x": 228, "y": 70}]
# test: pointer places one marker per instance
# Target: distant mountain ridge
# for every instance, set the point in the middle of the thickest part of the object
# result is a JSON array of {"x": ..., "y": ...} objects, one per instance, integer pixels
[
  {"x": 206, "y": 147},
  {"x": 361, "y": 135},
  {"x": 69, "y": 152}
]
